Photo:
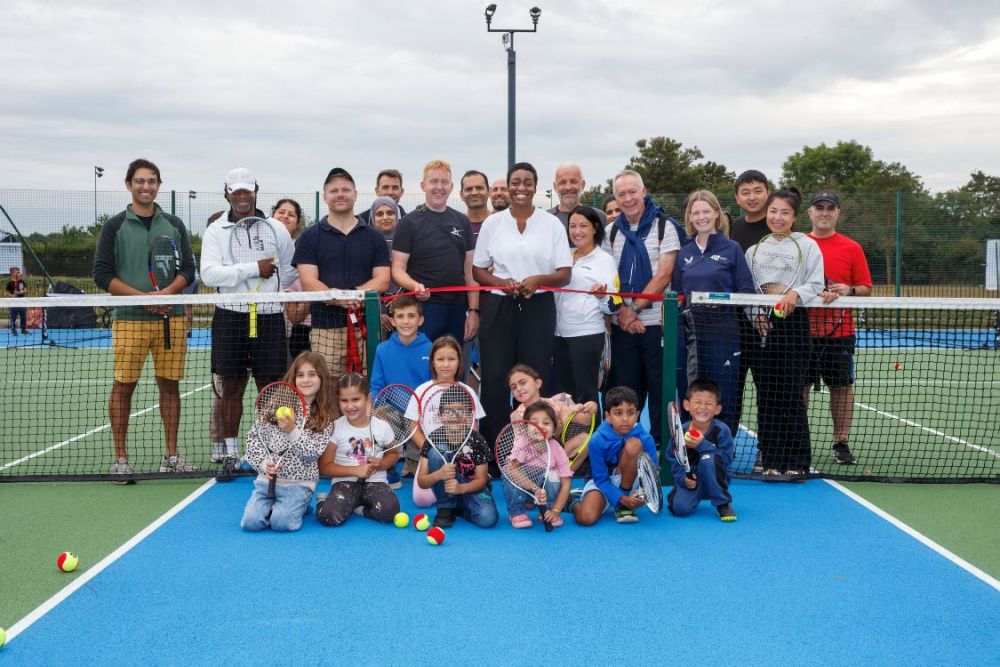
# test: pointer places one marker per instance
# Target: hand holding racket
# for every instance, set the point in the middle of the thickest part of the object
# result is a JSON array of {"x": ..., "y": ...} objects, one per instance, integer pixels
[
  {"x": 575, "y": 438},
  {"x": 524, "y": 457},
  {"x": 163, "y": 262},
  {"x": 253, "y": 240},
  {"x": 447, "y": 417},
  {"x": 776, "y": 263},
  {"x": 679, "y": 437},
  {"x": 397, "y": 408},
  {"x": 648, "y": 475},
  {"x": 278, "y": 406}
]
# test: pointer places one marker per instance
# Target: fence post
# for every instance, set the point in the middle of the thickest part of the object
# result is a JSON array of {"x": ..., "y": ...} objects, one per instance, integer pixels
[
  {"x": 669, "y": 380},
  {"x": 899, "y": 244},
  {"x": 317, "y": 207}
]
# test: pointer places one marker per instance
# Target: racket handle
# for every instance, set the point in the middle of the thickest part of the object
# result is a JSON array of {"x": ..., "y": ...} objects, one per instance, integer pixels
[
  {"x": 541, "y": 516},
  {"x": 270, "y": 487},
  {"x": 253, "y": 320},
  {"x": 166, "y": 332}
]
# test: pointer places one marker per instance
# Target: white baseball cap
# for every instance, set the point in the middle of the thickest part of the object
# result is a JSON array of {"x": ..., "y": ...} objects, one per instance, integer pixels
[{"x": 240, "y": 179}]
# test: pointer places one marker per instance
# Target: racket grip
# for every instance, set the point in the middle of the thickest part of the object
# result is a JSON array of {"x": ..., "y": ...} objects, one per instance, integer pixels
[
  {"x": 547, "y": 524},
  {"x": 253, "y": 320},
  {"x": 270, "y": 487},
  {"x": 166, "y": 332}
]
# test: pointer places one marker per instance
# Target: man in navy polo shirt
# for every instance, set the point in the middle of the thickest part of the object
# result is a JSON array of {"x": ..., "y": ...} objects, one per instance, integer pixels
[{"x": 341, "y": 252}]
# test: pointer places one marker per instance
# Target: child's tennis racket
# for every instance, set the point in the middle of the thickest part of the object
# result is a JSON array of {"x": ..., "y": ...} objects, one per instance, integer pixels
[
  {"x": 576, "y": 433},
  {"x": 775, "y": 263},
  {"x": 447, "y": 417},
  {"x": 277, "y": 396},
  {"x": 677, "y": 435},
  {"x": 252, "y": 240},
  {"x": 164, "y": 262},
  {"x": 399, "y": 408},
  {"x": 649, "y": 483},
  {"x": 524, "y": 456}
]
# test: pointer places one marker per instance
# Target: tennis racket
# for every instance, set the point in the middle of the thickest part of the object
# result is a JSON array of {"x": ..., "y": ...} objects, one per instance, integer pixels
[
  {"x": 775, "y": 263},
  {"x": 604, "y": 370},
  {"x": 252, "y": 240},
  {"x": 524, "y": 456},
  {"x": 575, "y": 436},
  {"x": 649, "y": 483},
  {"x": 447, "y": 417},
  {"x": 677, "y": 434},
  {"x": 277, "y": 443},
  {"x": 164, "y": 262},
  {"x": 397, "y": 407}
]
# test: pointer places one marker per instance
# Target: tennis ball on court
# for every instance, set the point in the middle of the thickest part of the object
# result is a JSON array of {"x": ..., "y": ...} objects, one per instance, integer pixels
[
  {"x": 401, "y": 520},
  {"x": 284, "y": 412},
  {"x": 67, "y": 561},
  {"x": 435, "y": 536},
  {"x": 421, "y": 522},
  {"x": 779, "y": 310},
  {"x": 3, "y": 637}
]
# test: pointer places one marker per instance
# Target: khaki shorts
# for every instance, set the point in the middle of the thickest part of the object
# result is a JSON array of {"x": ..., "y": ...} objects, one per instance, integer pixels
[
  {"x": 133, "y": 340},
  {"x": 332, "y": 344}
]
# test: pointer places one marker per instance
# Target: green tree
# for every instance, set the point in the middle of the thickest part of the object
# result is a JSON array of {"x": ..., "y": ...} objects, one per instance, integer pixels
[
  {"x": 667, "y": 167},
  {"x": 849, "y": 167}
]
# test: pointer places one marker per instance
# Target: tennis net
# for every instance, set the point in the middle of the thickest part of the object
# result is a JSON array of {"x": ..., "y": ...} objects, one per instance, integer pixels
[
  {"x": 59, "y": 390},
  {"x": 913, "y": 384}
]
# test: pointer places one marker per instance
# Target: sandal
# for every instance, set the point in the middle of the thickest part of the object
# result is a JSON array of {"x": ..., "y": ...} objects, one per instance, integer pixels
[
  {"x": 557, "y": 522},
  {"x": 520, "y": 521}
]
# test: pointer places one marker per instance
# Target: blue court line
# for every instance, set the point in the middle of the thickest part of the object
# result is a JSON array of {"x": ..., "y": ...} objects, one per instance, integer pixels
[{"x": 805, "y": 576}]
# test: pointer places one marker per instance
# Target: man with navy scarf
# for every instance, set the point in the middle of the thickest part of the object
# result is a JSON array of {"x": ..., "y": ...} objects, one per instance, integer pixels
[{"x": 645, "y": 261}]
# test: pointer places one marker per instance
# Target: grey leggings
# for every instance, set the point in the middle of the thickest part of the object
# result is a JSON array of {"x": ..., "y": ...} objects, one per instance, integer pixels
[{"x": 377, "y": 499}]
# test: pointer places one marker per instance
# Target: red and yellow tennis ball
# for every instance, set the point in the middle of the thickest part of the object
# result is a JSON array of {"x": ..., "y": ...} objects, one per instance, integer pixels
[
  {"x": 692, "y": 435},
  {"x": 401, "y": 520},
  {"x": 67, "y": 561},
  {"x": 421, "y": 522},
  {"x": 898, "y": 366},
  {"x": 283, "y": 412},
  {"x": 435, "y": 536},
  {"x": 779, "y": 310}
]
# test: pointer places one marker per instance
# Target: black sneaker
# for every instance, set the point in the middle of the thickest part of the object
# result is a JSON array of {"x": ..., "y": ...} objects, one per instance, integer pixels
[
  {"x": 444, "y": 518},
  {"x": 726, "y": 512},
  {"x": 843, "y": 454}
]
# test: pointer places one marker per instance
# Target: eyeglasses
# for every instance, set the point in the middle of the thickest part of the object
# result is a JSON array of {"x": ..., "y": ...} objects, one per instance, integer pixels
[
  {"x": 453, "y": 413},
  {"x": 152, "y": 182}
]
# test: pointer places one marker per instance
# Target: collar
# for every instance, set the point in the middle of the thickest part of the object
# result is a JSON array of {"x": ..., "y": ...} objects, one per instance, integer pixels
[
  {"x": 324, "y": 225},
  {"x": 132, "y": 215}
]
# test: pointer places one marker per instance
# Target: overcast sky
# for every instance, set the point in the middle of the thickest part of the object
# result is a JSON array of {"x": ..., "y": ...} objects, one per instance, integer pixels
[{"x": 291, "y": 89}]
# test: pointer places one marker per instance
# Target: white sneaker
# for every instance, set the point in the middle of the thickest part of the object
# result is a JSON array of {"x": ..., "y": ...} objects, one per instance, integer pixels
[
  {"x": 175, "y": 463},
  {"x": 123, "y": 469},
  {"x": 218, "y": 452}
]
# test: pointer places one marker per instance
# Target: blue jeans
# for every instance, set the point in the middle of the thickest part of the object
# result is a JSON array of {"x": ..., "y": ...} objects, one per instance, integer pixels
[
  {"x": 516, "y": 497},
  {"x": 285, "y": 512},
  {"x": 477, "y": 507}
]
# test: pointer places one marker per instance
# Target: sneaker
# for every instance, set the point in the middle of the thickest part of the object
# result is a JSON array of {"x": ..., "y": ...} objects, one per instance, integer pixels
[
  {"x": 575, "y": 496},
  {"x": 321, "y": 497},
  {"x": 392, "y": 477},
  {"x": 520, "y": 521},
  {"x": 123, "y": 469},
  {"x": 843, "y": 454},
  {"x": 557, "y": 522},
  {"x": 774, "y": 475},
  {"x": 175, "y": 463},
  {"x": 444, "y": 518},
  {"x": 726, "y": 512},
  {"x": 218, "y": 452},
  {"x": 409, "y": 468},
  {"x": 758, "y": 466},
  {"x": 625, "y": 515},
  {"x": 232, "y": 451}
]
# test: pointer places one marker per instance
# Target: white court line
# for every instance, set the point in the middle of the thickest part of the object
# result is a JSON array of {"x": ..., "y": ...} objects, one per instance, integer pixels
[
  {"x": 917, "y": 535},
  {"x": 105, "y": 427},
  {"x": 84, "y": 578},
  {"x": 927, "y": 429}
]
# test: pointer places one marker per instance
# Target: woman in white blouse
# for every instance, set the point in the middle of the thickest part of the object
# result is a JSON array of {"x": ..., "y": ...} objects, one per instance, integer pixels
[
  {"x": 526, "y": 248},
  {"x": 580, "y": 318}
]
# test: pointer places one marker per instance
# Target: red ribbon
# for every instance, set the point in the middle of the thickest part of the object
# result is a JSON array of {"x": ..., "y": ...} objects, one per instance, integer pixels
[{"x": 490, "y": 288}]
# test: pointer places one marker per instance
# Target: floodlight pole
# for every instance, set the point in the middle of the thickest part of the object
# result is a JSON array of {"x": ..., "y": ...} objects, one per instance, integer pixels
[
  {"x": 508, "y": 44},
  {"x": 98, "y": 173},
  {"x": 191, "y": 195}
]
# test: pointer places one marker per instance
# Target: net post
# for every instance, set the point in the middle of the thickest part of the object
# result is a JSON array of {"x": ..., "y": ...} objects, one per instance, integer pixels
[
  {"x": 373, "y": 326},
  {"x": 669, "y": 343},
  {"x": 316, "y": 219},
  {"x": 173, "y": 202}
]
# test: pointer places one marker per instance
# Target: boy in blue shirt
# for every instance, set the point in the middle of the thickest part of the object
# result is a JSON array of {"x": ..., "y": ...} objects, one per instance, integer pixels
[
  {"x": 614, "y": 451},
  {"x": 709, "y": 455},
  {"x": 404, "y": 358}
]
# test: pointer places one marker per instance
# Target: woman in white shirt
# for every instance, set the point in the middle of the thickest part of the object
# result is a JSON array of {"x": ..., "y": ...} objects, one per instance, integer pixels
[
  {"x": 580, "y": 318},
  {"x": 526, "y": 248}
]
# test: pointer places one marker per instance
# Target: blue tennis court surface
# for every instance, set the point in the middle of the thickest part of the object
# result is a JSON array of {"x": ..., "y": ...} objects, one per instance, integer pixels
[{"x": 805, "y": 576}]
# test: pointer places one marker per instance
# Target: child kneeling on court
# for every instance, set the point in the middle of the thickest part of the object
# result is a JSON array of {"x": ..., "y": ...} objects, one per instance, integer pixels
[
  {"x": 355, "y": 461},
  {"x": 462, "y": 487},
  {"x": 555, "y": 491},
  {"x": 709, "y": 449},
  {"x": 614, "y": 452},
  {"x": 298, "y": 471}
]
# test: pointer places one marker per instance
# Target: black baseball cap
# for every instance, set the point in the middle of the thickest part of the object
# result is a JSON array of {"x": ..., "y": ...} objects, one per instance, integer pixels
[
  {"x": 338, "y": 172},
  {"x": 825, "y": 195}
]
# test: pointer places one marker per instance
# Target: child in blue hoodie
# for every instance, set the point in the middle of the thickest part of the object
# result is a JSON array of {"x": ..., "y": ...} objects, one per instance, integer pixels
[
  {"x": 404, "y": 358},
  {"x": 709, "y": 449},
  {"x": 614, "y": 452}
]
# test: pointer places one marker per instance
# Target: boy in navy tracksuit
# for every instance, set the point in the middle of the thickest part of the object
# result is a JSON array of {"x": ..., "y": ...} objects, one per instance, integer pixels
[
  {"x": 709, "y": 448},
  {"x": 709, "y": 342},
  {"x": 403, "y": 359}
]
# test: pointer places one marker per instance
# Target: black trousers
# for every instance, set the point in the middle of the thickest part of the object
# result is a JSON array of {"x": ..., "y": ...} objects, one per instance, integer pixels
[
  {"x": 578, "y": 362},
  {"x": 512, "y": 330}
]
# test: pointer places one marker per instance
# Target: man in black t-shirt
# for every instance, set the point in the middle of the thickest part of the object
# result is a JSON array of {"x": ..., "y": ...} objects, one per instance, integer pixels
[
  {"x": 433, "y": 247},
  {"x": 17, "y": 289}
]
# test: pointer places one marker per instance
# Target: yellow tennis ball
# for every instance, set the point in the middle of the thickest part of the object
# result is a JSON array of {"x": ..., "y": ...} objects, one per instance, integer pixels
[
  {"x": 284, "y": 412},
  {"x": 67, "y": 561},
  {"x": 421, "y": 522},
  {"x": 401, "y": 520},
  {"x": 779, "y": 310},
  {"x": 3, "y": 637}
]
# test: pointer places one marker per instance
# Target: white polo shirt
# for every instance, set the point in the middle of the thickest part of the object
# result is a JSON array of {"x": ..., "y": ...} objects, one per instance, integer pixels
[
  {"x": 583, "y": 314},
  {"x": 540, "y": 250}
]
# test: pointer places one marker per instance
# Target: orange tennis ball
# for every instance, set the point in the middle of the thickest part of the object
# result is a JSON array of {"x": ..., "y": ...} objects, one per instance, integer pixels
[
  {"x": 435, "y": 536},
  {"x": 779, "y": 310},
  {"x": 67, "y": 561},
  {"x": 421, "y": 522}
]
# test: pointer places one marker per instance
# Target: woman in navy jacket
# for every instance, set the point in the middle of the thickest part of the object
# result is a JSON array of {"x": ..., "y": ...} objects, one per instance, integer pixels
[{"x": 709, "y": 339}]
